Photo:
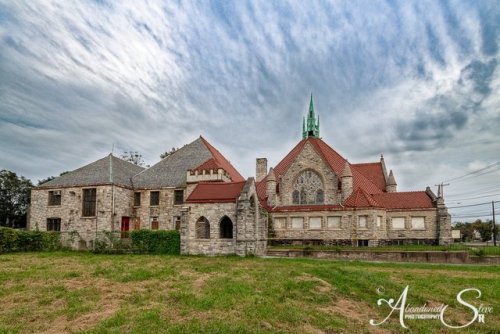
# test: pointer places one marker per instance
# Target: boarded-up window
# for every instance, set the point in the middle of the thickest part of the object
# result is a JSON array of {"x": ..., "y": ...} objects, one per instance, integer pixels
[
  {"x": 55, "y": 197},
  {"x": 202, "y": 228},
  {"x": 178, "y": 197},
  {"x": 297, "y": 222},
  {"x": 398, "y": 223},
  {"x": 155, "y": 224},
  {"x": 177, "y": 223},
  {"x": 280, "y": 223},
  {"x": 137, "y": 199},
  {"x": 315, "y": 223},
  {"x": 89, "y": 202},
  {"x": 154, "y": 198},
  {"x": 137, "y": 223},
  {"x": 54, "y": 224},
  {"x": 379, "y": 221},
  {"x": 418, "y": 223},
  {"x": 363, "y": 221},
  {"x": 333, "y": 222}
]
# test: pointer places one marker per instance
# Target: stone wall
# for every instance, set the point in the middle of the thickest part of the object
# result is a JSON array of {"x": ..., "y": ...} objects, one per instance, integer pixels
[
  {"x": 190, "y": 244},
  {"x": 80, "y": 232},
  {"x": 350, "y": 230}
]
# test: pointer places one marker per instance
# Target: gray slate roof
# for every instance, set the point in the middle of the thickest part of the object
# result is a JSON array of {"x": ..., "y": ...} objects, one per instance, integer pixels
[
  {"x": 171, "y": 171},
  {"x": 98, "y": 173}
]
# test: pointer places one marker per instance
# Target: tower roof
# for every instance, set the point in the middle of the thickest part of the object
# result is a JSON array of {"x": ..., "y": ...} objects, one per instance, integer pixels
[{"x": 310, "y": 127}]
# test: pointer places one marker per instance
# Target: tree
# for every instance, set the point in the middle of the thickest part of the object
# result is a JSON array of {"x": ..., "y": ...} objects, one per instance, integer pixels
[
  {"x": 50, "y": 178},
  {"x": 167, "y": 153},
  {"x": 133, "y": 157},
  {"x": 14, "y": 199}
]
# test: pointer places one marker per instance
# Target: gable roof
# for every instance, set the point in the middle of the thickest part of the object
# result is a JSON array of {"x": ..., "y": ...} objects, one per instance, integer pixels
[
  {"x": 171, "y": 171},
  {"x": 108, "y": 170},
  {"x": 374, "y": 172},
  {"x": 216, "y": 192}
]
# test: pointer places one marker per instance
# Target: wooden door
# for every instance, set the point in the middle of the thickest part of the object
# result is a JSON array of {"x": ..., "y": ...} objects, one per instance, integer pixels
[{"x": 125, "y": 227}]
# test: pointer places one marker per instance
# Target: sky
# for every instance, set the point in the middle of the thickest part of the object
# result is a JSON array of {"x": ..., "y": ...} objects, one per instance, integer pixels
[{"x": 417, "y": 81}]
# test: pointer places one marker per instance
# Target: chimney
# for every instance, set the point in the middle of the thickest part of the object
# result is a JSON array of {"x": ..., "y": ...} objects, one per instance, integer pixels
[{"x": 260, "y": 169}]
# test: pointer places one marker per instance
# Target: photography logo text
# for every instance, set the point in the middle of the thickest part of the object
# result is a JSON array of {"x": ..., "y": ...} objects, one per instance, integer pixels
[{"x": 468, "y": 298}]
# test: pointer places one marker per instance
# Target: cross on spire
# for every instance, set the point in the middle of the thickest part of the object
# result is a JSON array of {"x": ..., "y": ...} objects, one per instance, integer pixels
[{"x": 310, "y": 127}]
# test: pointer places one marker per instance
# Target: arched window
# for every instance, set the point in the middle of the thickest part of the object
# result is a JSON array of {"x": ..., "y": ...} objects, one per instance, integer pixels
[
  {"x": 295, "y": 197},
  {"x": 320, "y": 197},
  {"x": 303, "y": 197},
  {"x": 308, "y": 188},
  {"x": 226, "y": 228},
  {"x": 202, "y": 228}
]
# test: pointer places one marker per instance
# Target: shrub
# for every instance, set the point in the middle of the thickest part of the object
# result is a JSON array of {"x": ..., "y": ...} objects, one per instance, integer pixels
[
  {"x": 159, "y": 242},
  {"x": 110, "y": 243},
  {"x": 12, "y": 240}
]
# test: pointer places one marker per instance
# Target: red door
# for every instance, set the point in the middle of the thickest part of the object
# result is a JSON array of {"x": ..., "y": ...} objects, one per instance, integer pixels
[{"x": 125, "y": 226}]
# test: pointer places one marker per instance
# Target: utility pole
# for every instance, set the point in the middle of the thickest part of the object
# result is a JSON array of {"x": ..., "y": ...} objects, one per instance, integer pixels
[
  {"x": 494, "y": 224},
  {"x": 440, "y": 189}
]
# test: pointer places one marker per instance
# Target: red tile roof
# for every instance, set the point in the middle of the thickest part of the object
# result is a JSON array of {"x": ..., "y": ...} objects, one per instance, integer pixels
[
  {"x": 210, "y": 164},
  {"x": 360, "y": 199},
  {"x": 301, "y": 208},
  {"x": 368, "y": 183},
  {"x": 224, "y": 163},
  {"x": 216, "y": 192},
  {"x": 372, "y": 171},
  {"x": 404, "y": 200}
]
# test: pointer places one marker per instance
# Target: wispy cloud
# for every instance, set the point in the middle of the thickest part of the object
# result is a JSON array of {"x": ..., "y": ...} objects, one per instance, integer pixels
[{"x": 418, "y": 80}]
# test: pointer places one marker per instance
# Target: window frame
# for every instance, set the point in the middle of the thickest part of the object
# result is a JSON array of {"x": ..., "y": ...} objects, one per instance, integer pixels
[
  {"x": 365, "y": 218},
  {"x": 418, "y": 228},
  {"x": 339, "y": 225},
  {"x": 89, "y": 205},
  {"x": 176, "y": 193},
  {"x": 398, "y": 228},
  {"x": 53, "y": 222},
  {"x": 157, "y": 197},
  {"x": 296, "y": 228},
  {"x": 137, "y": 198},
  {"x": 320, "y": 223},
  {"x": 52, "y": 196}
]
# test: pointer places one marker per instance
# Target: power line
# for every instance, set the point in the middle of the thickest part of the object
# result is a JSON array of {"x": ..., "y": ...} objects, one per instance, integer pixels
[
  {"x": 466, "y": 206},
  {"x": 473, "y": 173},
  {"x": 480, "y": 190},
  {"x": 464, "y": 199}
]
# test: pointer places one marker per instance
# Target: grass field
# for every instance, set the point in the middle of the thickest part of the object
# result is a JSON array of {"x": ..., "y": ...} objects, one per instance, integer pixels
[{"x": 70, "y": 292}]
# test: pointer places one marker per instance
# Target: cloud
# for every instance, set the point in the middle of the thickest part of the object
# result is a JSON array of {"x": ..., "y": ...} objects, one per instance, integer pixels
[{"x": 416, "y": 80}]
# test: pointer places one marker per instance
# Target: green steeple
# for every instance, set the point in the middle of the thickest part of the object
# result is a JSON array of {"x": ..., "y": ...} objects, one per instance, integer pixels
[{"x": 310, "y": 127}]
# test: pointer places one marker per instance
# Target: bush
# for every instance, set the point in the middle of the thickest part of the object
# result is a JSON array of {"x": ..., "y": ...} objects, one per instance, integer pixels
[
  {"x": 110, "y": 243},
  {"x": 158, "y": 242},
  {"x": 12, "y": 240}
]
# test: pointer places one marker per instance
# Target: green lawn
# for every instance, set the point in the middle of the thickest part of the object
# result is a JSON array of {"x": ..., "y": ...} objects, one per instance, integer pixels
[{"x": 86, "y": 293}]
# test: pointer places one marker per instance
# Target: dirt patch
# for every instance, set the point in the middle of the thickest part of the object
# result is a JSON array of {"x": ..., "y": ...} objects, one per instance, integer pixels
[{"x": 322, "y": 287}]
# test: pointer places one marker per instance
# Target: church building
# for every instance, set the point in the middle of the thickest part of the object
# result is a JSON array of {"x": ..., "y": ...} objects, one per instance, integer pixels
[{"x": 312, "y": 196}]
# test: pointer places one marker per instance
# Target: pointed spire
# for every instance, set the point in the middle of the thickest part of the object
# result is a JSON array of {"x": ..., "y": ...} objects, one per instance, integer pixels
[
  {"x": 311, "y": 128},
  {"x": 271, "y": 176},
  {"x": 392, "y": 180}
]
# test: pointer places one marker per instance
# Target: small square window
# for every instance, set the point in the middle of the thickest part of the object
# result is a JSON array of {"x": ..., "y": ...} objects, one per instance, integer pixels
[
  {"x": 154, "y": 198},
  {"x": 55, "y": 197},
  {"x": 54, "y": 224},
  {"x": 334, "y": 222},
  {"x": 398, "y": 223},
  {"x": 297, "y": 223},
  {"x": 315, "y": 223},
  {"x": 280, "y": 223},
  {"x": 178, "y": 197},
  {"x": 418, "y": 223}
]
